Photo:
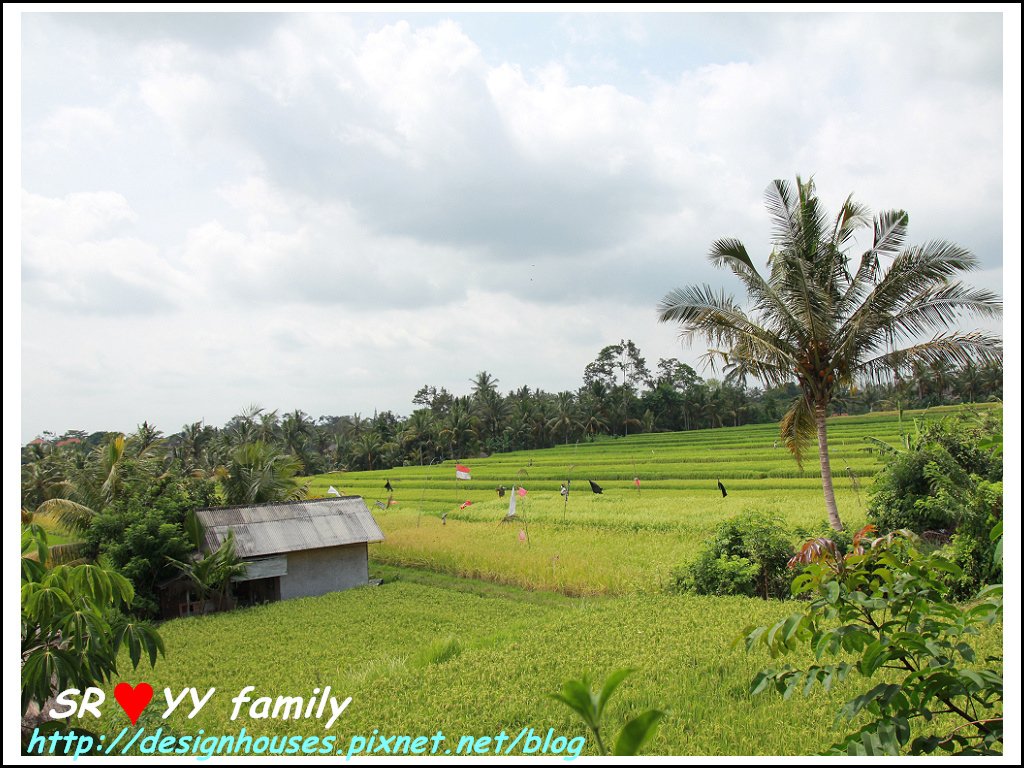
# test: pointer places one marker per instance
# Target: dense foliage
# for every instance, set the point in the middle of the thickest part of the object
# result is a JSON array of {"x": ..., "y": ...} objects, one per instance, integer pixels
[
  {"x": 72, "y": 625},
  {"x": 947, "y": 482},
  {"x": 907, "y": 492},
  {"x": 747, "y": 555},
  {"x": 144, "y": 526},
  {"x": 883, "y": 613}
]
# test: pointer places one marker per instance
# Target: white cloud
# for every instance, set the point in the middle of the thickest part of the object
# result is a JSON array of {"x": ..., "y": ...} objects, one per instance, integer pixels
[
  {"x": 390, "y": 202},
  {"x": 67, "y": 126}
]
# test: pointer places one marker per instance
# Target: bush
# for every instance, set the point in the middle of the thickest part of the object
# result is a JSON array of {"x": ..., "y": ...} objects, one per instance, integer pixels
[
  {"x": 138, "y": 532},
  {"x": 972, "y": 548},
  {"x": 950, "y": 480},
  {"x": 905, "y": 492},
  {"x": 882, "y": 613},
  {"x": 747, "y": 556}
]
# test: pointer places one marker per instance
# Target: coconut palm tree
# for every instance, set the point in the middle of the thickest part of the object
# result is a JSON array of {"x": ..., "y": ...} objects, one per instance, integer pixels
[
  {"x": 566, "y": 417},
  {"x": 825, "y": 319}
]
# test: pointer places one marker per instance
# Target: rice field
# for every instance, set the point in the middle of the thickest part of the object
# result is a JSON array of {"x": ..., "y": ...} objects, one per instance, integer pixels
[
  {"x": 478, "y": 622},
  {"x": 418, "y": 655},
  {"x": 625, "y": 540}
]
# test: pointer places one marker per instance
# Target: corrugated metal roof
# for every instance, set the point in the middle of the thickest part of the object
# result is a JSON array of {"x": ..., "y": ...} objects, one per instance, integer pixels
[{"x": 269, "y": 529}]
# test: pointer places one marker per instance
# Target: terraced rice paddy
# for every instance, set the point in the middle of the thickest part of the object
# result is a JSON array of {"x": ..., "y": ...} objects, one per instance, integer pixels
[{"x": 476, "y": 625}]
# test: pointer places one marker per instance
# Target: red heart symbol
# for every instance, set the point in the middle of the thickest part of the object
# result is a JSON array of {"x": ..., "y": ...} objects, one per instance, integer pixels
[{"x": 133, "y": 700}]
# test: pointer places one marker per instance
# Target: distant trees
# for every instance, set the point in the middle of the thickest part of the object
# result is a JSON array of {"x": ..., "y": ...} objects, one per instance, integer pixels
[{"x": 621, "y": 395}]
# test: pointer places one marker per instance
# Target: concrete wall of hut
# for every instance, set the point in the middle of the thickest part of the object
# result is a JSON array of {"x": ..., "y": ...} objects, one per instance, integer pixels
[{"x": 313, "y": 572}]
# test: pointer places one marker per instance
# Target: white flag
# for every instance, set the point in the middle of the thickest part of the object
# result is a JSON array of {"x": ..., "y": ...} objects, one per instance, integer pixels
[
  {"x": 333, "y": 490},
  {"x": 512, "y": 503}
]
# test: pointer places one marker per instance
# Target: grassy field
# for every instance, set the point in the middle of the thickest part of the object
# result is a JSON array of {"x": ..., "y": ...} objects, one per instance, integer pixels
[
  {"x": 428, "y": 652},
  {"x": 623, "y": 541},
  {"x": 474, "y": 627}
]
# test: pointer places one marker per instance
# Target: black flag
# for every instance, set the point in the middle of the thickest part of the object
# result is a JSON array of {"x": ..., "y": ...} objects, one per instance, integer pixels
[
  {"x": 595, "y": 487},
  {"x": 501, "y": 491},
  {"x": 387, "y": 486},
  {"x": 722, "y": 489}
]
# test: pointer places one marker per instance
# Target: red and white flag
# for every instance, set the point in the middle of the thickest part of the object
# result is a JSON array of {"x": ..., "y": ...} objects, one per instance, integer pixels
[
  {"x": 465, "y": 504},
  {"x": 461, "y": 472}
]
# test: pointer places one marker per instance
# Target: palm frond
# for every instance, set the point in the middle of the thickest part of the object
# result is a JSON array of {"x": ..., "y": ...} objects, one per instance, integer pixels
[
  {"x": 778, "y": 199},
  {"x": 772, "y": 311},
  {"x": 68, "y": 515},
  {"x": 852, "y": 216},
  {"x": 956, "y": 349},
  {"x": 797, "y": 428},
  {"x": 890, "y": 232},
  {"x": 943, "y": 305}
]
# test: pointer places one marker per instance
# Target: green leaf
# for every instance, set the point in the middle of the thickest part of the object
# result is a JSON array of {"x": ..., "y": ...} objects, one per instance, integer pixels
[
  {"x": 576, "y": 695},
  {"x": 760, "y": 682},
  {"x": 637, "y": 732},
  {"x": 832, "y": 592},
  {"x": 614, "y": 680}
]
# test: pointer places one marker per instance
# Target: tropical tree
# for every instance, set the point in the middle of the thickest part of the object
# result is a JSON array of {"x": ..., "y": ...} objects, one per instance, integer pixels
[
  {"x": 72, "y": 628},
  {"x": 459, "y": 427},
  {"x": 257, "y": 474},
  {"x": 565, "y": 419},
  {"x": 213, "y": 573},
  {"x": 826, "y": 319}
]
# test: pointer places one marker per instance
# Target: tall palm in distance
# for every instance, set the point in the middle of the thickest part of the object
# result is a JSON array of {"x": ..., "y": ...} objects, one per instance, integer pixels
[{"x": 826, "y": 319}]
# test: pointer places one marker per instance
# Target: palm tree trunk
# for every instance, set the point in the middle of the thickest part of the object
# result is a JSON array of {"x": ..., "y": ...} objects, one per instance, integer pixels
[{"x": 826, "y": 469}]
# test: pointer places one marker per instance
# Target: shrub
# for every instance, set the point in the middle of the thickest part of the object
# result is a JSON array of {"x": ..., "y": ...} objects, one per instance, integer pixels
[
  {"x": 949, "y": 480},
  {"x": 956, "y": 449},
  {"x": 747, "y": 556},
  {"x": 884, "y": 612}
]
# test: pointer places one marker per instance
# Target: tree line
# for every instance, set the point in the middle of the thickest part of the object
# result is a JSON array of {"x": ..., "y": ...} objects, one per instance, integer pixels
[{"x": 619, "y": 395}]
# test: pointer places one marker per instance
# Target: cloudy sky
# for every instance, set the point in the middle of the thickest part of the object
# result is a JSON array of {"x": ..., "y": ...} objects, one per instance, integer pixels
[{"x": 327, "y": 211}]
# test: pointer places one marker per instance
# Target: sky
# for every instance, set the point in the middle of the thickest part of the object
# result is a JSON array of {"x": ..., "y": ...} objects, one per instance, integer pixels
[{"x": 327, "y": 211}]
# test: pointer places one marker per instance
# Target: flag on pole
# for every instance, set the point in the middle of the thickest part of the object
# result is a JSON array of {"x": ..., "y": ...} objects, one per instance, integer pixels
[
  {"x": 465, "y": 504},
  {"x": 333, "y": 490},
  {"x": 511, "y": 504},
  {"x": 595, "y": 487},
  {"x": 522, "y": 491},
  {"x": 387, "y": 486},
  {"x": 522, "y": 535},
  {"x": 379, "y": 504},
  {"x": 636, "y": 481},
  {"x": 461, "y": 472}
]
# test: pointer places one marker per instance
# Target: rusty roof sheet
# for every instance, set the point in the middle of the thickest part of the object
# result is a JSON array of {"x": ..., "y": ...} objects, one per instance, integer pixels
[{"x": 269, "y": 529}]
